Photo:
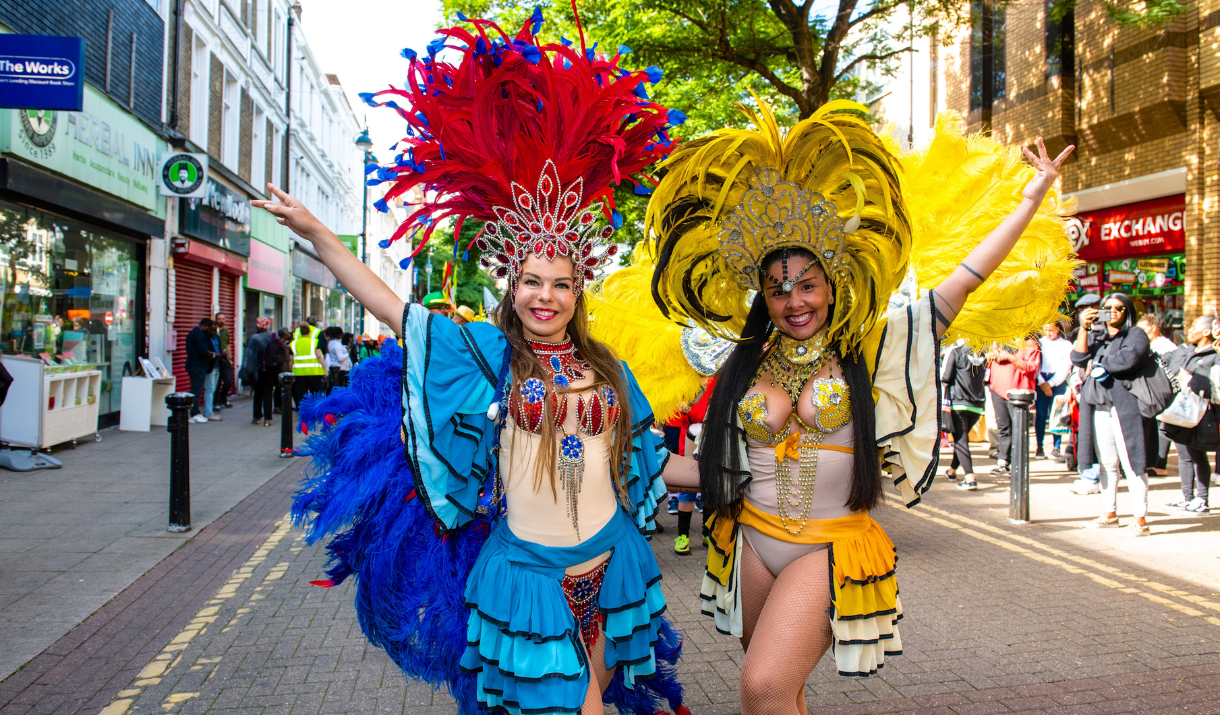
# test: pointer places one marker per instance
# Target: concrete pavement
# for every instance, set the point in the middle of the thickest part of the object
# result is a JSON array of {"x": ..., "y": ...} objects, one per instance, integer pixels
[{"x": 73, "y": 538}]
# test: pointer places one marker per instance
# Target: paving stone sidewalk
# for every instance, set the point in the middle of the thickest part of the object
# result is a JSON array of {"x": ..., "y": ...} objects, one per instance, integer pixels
[
  {"x": 996, "y": 620},
  {"x": 71, "y": 539}
]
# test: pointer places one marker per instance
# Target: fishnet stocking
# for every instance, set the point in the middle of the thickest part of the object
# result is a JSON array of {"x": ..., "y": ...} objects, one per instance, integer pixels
[
  {"x": 790, "y": 616},
  {"x": 600, "y": 680}
]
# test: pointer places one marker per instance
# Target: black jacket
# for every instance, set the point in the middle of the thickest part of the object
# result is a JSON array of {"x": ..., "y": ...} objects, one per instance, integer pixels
[
  {"x": 199, "y": 350},
  {"x": 963, "y": 377},
  {"x": 1198, "y": 362},
  {"x": 1122, "y": 356}
]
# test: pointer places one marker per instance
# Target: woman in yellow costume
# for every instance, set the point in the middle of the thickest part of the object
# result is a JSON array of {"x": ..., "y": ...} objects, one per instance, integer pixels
[{"x": 793, "y": 244}]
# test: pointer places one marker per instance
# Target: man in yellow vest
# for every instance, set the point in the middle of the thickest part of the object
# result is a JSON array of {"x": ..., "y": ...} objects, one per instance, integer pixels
[{"x": 307, "y": 366}]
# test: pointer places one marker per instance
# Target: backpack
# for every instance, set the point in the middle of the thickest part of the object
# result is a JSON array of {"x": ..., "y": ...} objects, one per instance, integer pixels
[{"x": 275, "y": 357}]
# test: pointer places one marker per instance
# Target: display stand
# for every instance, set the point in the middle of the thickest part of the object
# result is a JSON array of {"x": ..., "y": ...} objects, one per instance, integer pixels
[
  {"x": 46, "y": 408},
  {"x": 143, "y": 403}
]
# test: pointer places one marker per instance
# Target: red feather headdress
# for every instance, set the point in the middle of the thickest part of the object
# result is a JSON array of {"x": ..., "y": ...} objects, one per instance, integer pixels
[{"x": 525, "y": 137}]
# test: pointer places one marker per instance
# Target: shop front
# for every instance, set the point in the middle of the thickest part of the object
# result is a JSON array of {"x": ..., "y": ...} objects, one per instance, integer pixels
[
  {"x": 77, "y": 208},
  {"x": 210, "y": 258},
  {"x": 315, "y": 292},
  {"x": 267, "y": 282},
  {"x": 1137, "y": 249}
]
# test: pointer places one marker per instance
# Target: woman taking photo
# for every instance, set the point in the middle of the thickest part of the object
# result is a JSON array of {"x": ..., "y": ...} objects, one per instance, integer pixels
[
  {"x": 1112, "y": 351},
  {"x": 498, "y": 526},
  {"x": 826, "y": 390}
]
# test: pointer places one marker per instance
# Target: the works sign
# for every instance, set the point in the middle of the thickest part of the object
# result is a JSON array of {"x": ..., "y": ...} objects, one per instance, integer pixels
[
  {"x": 222, "y": 217},
  {"x": 1146, "y": 228},
  {"x": 42, "y": 72}
]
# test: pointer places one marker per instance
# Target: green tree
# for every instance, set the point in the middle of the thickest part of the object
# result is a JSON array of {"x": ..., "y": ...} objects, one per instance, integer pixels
[{"x": 471, "y": 278}]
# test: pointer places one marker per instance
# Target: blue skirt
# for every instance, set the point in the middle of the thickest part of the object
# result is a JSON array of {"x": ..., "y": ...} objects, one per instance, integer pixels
[{"x": 523, "y": 641}]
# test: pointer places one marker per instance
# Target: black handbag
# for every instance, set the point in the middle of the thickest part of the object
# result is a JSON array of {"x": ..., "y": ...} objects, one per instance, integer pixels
[{"x": 1153, "y": 387}]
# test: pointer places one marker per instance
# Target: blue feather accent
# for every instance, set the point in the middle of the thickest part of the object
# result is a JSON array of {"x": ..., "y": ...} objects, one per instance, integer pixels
[
  {"x": 435, "y": 46},
  {"x": 370, "y": 168},
  {"x": 381, "y": 205},
  {"x": 367, "y": 98},
  {"x": 624, "y": 50},
  {"x": 372, "y": 182},
  {"x": 384, "y": 243},
  {"x": 676, "y": 117},
  {"x": 616, "y": 218},
  {"x": 642, "y": 190},
  {"x": 404, "y": 263},
  {"x": 386, "y": 174},
  {"x": 654, "y": 74},
  {"x": 480, "y": 47},
  {"x": 409, "y": 53},
  {"x": 640, "y": 91},
  {"x": 460, "y": 16},
  {"x": 565, "y": 41}
]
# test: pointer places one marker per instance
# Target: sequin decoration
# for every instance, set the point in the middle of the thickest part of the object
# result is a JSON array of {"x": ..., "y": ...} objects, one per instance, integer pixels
[
  {"x": 581, "y": 592},
  {"x": 571, "y": 474},
  {"x": 831, "y": 404}
]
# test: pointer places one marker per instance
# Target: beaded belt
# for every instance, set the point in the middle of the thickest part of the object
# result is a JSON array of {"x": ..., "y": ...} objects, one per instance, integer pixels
[{"x": 581, "y": 591}]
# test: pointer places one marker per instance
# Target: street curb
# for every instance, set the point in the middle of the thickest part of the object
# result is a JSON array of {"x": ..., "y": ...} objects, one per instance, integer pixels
[{"x": 85, "y": 669}]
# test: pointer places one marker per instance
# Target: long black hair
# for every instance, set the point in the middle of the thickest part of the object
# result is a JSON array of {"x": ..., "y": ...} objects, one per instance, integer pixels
[{"x": 722, "y": 476}]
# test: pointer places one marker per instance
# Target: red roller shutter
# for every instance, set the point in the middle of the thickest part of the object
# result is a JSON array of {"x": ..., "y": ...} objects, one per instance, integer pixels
[
  {"x": 192, "y": 303},
  {"x": 228, "y": 306}
]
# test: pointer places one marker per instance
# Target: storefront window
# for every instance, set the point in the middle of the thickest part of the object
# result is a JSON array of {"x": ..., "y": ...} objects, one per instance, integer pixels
[{"x": 68, "y": 290}]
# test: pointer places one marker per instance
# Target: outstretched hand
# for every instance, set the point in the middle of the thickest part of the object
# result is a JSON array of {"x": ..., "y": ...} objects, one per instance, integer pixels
[
  {"x": 290, "y": 212},
  {"x": 1046, "y": 170}
]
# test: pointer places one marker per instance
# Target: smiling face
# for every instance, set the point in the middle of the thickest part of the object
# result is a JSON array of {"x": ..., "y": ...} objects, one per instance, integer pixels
[
  {"x": 801, "y": 312},
  {"x": 545, "y": 301}
]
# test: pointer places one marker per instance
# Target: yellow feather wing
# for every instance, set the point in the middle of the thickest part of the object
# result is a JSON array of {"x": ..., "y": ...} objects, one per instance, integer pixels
[
  {"x": 957, "y": 190},
  {"x": 624, "y": 316}
]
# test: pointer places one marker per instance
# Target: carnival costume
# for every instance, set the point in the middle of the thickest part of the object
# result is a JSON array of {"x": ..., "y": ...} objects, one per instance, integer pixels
[
  {"x": 834, "y": 188},
  {"x": 427, "y": 495}
]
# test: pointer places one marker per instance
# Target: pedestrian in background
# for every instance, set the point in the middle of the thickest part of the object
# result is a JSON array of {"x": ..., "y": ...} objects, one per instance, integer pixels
[
  {"x": 274, "y": 360},
  {"x": 335, "y": 354},
  {"x": 1052, "y": 381},
  {"x": 254, "y": 370},
  {"x": 369, "y": 347},
  {"x": 963, "y": 374},
  {"x": 1113, "y": 351},
  {"x": 224, "y": 365},
  {"x": 213, "y": 376},
  {"x": 308, "y": 367},
  {"x": 1011, "y": 370},
  {"x": 1192, "y": 364},
  {"x": 1150, "y": 323},
  {"x": 200, "y": 361}
]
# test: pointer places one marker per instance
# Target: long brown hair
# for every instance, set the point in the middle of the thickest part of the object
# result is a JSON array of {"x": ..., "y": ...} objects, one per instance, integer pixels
[{"x": 607, "y": 370}]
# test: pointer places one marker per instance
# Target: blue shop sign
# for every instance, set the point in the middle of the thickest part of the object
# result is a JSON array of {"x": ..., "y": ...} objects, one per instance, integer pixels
[{"x": 42, "y": 72}]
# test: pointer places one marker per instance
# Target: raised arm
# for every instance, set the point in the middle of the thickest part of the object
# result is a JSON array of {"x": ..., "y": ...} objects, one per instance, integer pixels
[
  {"x": 362, "y": 283},
  {"x": 990, "y": 253}
]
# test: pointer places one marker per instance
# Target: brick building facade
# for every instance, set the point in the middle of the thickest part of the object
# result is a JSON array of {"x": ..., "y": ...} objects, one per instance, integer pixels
[{"x": 1143, "y": 108}]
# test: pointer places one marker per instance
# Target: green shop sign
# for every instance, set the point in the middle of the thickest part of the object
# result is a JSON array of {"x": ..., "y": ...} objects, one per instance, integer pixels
[
  {"x": 221, "y": 217},
  {"x": 101, "y": 145},
  {"x": 352, "y": 243}
]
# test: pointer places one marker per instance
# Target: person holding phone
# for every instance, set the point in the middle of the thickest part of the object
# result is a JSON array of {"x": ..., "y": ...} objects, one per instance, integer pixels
[{"x": 1112, "y": 351}]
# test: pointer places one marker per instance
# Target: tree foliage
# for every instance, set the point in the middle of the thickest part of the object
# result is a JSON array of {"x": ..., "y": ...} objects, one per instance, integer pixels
[{"x": 471, "y": 278}]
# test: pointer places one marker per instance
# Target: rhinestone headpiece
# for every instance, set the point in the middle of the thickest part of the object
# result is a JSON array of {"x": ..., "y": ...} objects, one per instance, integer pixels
[
  {"x": 775, "y": 214},
  {"x": 549, "y": 223}
]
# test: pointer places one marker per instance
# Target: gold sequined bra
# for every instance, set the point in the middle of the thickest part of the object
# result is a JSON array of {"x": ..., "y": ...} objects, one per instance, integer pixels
[{"x": 832, "y": 410}]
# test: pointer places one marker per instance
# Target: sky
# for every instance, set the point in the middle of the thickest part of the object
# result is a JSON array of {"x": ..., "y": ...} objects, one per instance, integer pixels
[{"x": 360, "y": 41}]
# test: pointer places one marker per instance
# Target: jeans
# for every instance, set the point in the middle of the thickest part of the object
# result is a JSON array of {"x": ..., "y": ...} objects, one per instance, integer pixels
[
  {"x": 264, "y": 391},
  {"x": 1196, "y": 472},
  {"x": 209, "y": 390},
  {"x": 1042, "y": 412},
  {"x": 1112, "y": 454},
  {"x": 197, "y": 375},
  {"x": 963, "y": 422},
  {"x": 1003, "y": 425}
]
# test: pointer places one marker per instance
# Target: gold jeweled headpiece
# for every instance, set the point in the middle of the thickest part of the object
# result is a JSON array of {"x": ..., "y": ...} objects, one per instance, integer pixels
[{"x": 775, "y": 214}]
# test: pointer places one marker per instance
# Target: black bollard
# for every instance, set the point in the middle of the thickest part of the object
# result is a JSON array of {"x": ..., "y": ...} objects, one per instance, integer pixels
[
  {"x": 287, "y": 419},
  {"x": 1018, "y": 486},
  {"x": 179, "y": 404}
]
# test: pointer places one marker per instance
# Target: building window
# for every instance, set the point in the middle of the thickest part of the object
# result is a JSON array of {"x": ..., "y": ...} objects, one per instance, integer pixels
[
  {"x": 986, "y": 55},
  {"x": 200, "y": 66},
  {"x": 1060, "y": 39},
  {"x": 228, "y": 122},
  {"x": 258, "y": 149},
  {"x": 277, "y": 44}
]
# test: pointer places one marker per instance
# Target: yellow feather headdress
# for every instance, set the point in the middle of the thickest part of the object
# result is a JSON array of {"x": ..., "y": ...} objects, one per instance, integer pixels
[{"x": 708, "y": 255}]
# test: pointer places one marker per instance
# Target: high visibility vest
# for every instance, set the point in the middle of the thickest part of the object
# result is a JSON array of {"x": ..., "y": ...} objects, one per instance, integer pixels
[{"x": 305, "y": 361}]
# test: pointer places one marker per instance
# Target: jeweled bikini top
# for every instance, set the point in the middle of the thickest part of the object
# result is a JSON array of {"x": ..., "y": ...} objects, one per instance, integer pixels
[
  {"x": 791, "y": 364},
  {"x": 564, "y": 366}
]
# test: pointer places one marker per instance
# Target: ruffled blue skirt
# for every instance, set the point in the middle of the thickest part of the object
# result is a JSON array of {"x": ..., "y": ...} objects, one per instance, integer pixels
[{"x": 523, "y": 641}]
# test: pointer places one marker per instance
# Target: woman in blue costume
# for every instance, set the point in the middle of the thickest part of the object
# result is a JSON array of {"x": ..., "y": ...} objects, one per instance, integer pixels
[{"x": 497, "y": 515}]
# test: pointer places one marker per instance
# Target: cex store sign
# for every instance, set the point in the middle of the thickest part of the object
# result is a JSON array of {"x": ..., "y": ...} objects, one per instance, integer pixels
[{"x": 1147, "y": 228}]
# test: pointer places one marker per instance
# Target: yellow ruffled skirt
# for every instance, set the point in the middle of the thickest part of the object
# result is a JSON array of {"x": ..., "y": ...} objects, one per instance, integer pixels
[{"x": 864, "y": 592}]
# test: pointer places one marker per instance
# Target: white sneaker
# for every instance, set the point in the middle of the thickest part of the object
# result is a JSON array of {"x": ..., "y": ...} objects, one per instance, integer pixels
[
  {"x": 199, "y": 420},
  {"x": 1080, "y": 486},
  {"x": 1196, "y": 506},
  {"x": 1178, "y": 503}
]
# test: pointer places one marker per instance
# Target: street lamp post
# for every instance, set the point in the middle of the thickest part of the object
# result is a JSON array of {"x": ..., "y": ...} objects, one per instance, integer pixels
[
  {"x": 428, "y": 270},
  {"x": 365, "y": 144}
]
